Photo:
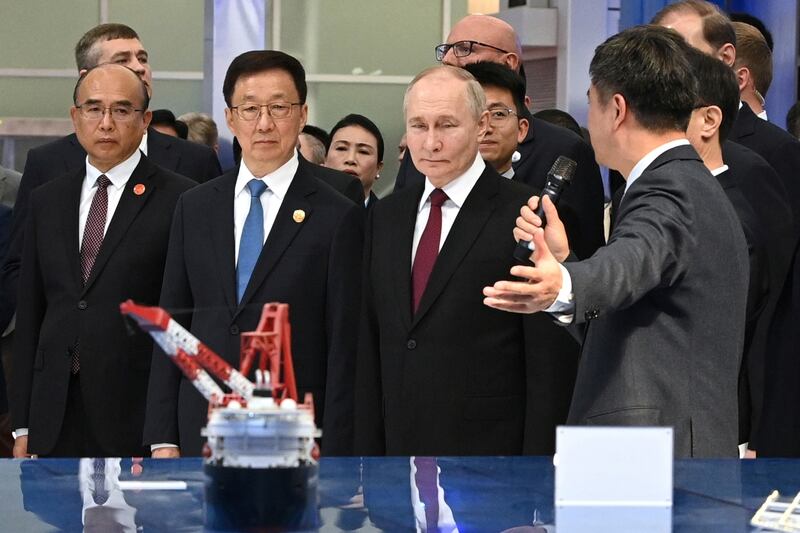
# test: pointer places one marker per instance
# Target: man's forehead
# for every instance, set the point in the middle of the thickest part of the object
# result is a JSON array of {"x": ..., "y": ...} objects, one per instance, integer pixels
[
  {"x": 116, "y": 81},
  {"x": 483, "y": 28},
  {"x": 115, "y": 46}
]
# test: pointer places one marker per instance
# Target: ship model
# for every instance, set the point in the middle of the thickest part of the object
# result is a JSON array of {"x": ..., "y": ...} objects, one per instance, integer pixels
[{"x": 260, "y": 458}]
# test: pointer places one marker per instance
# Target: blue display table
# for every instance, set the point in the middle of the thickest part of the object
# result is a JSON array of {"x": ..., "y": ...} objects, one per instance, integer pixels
[{"x": 370, "y": 494}]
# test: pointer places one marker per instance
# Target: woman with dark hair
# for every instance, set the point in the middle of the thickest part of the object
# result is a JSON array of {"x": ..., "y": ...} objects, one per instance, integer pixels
[{"x": 357, "y": 148}]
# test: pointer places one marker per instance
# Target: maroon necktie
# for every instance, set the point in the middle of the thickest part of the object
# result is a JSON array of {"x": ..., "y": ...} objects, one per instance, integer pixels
[
  {"x": 95, "y": 226},
  {"x": 427, "y": 249},
  {"x": 92, "y": 239},
  {"x": 428, "y": 488}
]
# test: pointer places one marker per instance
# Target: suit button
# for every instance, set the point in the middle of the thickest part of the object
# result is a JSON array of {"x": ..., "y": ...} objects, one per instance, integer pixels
[
  {"x": 411, "y": 344},
  {"x": 591, "y": 314},
  {"x": 234, "y": 329},
  {"x": 82, "y": 305}
]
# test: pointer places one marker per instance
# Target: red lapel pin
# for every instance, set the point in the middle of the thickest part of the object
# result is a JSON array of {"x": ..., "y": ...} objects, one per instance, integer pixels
[{"x": 138, "y": 189}]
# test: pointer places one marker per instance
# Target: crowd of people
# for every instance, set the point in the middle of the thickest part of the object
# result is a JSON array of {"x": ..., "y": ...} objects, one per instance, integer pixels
[{"x": 669, "y": 302}]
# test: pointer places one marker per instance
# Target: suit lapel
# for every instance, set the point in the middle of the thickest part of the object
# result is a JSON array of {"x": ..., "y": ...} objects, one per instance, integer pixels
[
  {"x": 403, "y": 222},
  {"x": 159, "y": 150},
  {"x": 471, "y": 219},
  {"x": 283, "y": 231},
  {"x": 128, "y": 208},
  {"x": 220, "y": 210},
  {"x": 70, "y": 218}
]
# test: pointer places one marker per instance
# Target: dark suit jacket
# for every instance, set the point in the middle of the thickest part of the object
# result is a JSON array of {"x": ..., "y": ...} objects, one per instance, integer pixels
[
  {"x": 581, "y": 204},
  {"x": 313, "y": 265},
  {"x": 373, "y": 199},
  {"x": 766, "y": 194},
  {"x": 665, "y": 306},
  {"x": 5, "y": 229},
  {"x": 66, "y": 155},
  {"x": 343, "y": 183},
  {"x": 779, "y": 148},
  {"x": 457, "y": 378},
  {"x": 58, "y": 311}
]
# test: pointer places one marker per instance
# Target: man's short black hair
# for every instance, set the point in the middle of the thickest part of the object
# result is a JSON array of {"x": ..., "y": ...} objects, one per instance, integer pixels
[
  {"x": 319, "y": 134},
  {"x": 145, "y": 95},
  {"x": 362, "y": 121},
  {"x": 167, "y": 118},
  {"x": 647, "y": 65},
  {"x": 256, "y": 61},
  {"x": 716, "y": 85},
  {"x": 497, "y": 75},
  {"x": 560, "y": 118}
]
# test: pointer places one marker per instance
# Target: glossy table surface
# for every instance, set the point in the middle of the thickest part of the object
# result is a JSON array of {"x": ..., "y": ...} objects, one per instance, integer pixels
[{"x": 375, "y": 494}]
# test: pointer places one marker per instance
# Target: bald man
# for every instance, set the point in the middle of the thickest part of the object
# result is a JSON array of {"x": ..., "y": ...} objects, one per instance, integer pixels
[{"x": 485, "y": 38}]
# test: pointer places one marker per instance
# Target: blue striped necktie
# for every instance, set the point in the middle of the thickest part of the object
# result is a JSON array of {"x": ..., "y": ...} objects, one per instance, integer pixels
[{"x": 252, "y": 238}]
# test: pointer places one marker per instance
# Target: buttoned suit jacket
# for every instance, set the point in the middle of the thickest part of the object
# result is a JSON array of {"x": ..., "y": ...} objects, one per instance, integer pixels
[
  {"x": 581, "y": 203},
  {"x": 59, "y": 311},
  {"x": 311, "y": 260},
  {"x": 665, "y": 305},
  {"x": 457, "y": 377},
  {"x": 66, "y": 155}
]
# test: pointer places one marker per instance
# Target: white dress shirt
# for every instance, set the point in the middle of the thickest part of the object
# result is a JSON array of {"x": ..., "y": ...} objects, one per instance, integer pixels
[
  {"x": 119, "y": 176},
  {"x": 457, "y": 192},
  {"x": 277, "y": 184},
  {"x": 143, "y": 144},
  {"x": 563, "y": 308}
]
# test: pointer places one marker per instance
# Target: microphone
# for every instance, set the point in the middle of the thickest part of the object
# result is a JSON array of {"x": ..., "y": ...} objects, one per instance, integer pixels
[{"x": 558, "y": 178}]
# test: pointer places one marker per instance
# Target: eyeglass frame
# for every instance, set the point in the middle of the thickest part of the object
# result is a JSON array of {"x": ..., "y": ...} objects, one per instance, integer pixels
[
  {"x": 110, "y": 110},
  {"x": 291, "y": 105},
  {"x": 502, "y": 108},
  {"x": 445, "y": 47}
]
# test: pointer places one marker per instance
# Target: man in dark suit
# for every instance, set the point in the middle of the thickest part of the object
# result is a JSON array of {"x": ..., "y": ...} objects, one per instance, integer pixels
[
  {"x": 486, "y": 38},
  {"x": 271, "y": 230},
  {"x": 94, "y": 238},
  {"x": 438, "y": 373},
  {"x": 106, "y": 43},
  {"x": 662, "y": 305}
]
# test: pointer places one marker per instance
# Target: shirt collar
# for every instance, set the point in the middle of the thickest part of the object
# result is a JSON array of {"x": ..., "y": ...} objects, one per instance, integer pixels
[
  {"x": 648, "y": 159},
  {"x": 278, "y": 180},
  {"x": 720, "y": 170},
  {"x": 118, "y": 175},
  {"x": 458, "y": 189},
  {"x": 143, "y": 144}
]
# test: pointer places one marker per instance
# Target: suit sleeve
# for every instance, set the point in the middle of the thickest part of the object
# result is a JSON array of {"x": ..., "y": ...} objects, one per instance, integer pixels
[
  {"x": 29, "y": 320},
  {"x": 369, "y": 429},
  {"x": 649, "y": 248},
  {"x": 9, "y": 276},
  {"x": 161, "y": 416},
  {"x": 342, "y": 312}
]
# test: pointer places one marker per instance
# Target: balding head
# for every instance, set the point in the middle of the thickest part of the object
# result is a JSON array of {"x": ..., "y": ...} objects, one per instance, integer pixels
[{"x": 503, "y": 45}]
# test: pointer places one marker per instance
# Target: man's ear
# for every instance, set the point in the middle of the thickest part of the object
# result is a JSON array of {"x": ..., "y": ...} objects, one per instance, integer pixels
[
  {"x": 512, "y": 61},
  {"x": 742, "y": 77},
  {"x": 712, "y": 120},
  {"x": 727, "y": 54},
  {"x": 147, "y": 116},
  {"x": 522, "y": 132},
  {"x": 621, "y": 108},
  {"x": 483, "y": 124}
]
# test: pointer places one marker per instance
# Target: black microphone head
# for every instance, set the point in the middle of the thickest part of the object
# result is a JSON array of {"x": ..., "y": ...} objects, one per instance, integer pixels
[{"x": 564, "y": 168}]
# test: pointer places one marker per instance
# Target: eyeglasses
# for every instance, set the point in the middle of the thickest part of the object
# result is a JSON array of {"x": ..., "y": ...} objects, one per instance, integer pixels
[
  {"x": 119, "y": 112},
  {"x": 462, "y": 49},
  {"x": 275, "y": 110},
  {"x": 498, "y": 115}
]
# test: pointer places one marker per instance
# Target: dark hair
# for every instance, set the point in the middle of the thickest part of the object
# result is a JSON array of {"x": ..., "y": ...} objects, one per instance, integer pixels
[
  {"x": 716, "y": 85},
  {"x": 500, "y": 76},
  {"x": 647, "y": 65},
  {"x": 319, "y": 134},
  {"x": 256, "y": 61},
  {"x": 362, "y": 121},
  {"x": 560, "y": 118},
  {"x": 752, "y": 52},
  {"x": 142, "y": 86},
  {"x": 793, "y": 120},
  {"x": 757, "y": 24},
  {"x": 167, "y": 118},
  {"x": 85, "y": 55},
  {"x": 717, "y": 28}
]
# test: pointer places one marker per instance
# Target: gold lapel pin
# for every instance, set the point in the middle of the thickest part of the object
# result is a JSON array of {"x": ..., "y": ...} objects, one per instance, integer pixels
[
  {"x": 299, "y": 215},
  {"x": 138, "y": 189}
]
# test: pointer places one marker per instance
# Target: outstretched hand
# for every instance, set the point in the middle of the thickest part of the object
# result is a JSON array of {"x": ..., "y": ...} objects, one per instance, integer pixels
[{"x": 539, "y": 286}]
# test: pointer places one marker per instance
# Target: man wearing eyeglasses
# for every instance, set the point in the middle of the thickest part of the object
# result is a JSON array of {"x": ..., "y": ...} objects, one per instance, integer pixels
[
  {"x": 94, "y": 237},
  {"x": 270, "y": 231},
  {"x": 485, "y": 38}
]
